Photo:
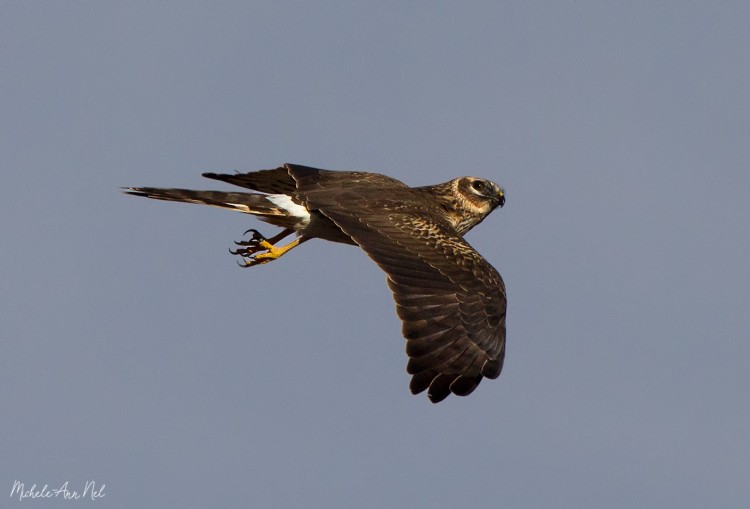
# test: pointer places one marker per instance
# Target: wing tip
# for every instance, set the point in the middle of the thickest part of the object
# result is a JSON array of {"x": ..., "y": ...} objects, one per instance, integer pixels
[
  {"x": 493, "y": 366},
  {"x": 441, "y": 385},
  {"x": 465, "y": 385}
]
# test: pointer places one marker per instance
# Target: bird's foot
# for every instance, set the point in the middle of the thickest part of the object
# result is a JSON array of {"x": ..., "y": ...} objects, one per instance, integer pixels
[{"x": 258, "y": 250}]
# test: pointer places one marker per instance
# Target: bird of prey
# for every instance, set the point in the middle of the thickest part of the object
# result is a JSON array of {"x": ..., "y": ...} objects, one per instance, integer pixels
[{"x": 450, "y": 299}]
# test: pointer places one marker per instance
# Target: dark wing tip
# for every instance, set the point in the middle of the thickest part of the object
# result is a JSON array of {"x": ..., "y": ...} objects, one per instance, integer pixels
[
  {"x": 439, "y": 388},
  {"x": 421, "y": 381},
  {"x": 219, "y": 176},
  {"x": 465, "y": 385},
  {"x": 492, "y": 367}
]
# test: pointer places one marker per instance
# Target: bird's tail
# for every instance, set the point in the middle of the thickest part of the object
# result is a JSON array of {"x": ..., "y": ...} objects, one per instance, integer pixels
[{"x": 250, "y": 203}]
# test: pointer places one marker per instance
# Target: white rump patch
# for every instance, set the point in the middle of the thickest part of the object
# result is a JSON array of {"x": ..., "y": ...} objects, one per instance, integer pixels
[{"x": 283, "y": 201}]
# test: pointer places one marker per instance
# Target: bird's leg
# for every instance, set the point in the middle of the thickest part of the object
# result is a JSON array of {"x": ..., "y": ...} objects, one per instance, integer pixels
[{"x": 258, "y": 249}]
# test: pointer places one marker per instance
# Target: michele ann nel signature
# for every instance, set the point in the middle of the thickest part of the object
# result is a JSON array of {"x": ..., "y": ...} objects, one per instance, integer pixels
[{"x": 90, "y": 491}]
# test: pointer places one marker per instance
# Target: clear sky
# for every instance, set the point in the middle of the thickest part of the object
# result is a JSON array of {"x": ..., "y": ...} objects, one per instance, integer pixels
[{"x": 135, "y": 353}]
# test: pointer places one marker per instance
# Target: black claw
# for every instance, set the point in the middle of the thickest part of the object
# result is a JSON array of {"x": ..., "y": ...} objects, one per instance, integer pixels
[
  {"x": 256, "y": 239},
  {"x": 249, "y": 248},
  {"x": 256, "y": 234},
  {"x": 247, "y": 262},
  {"x": 248, "y": 251}
]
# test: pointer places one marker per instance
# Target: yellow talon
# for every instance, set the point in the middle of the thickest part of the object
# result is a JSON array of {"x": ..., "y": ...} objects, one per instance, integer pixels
[
  {"x": 271, "y": 252},
  {"x": 266, "y": 245}
]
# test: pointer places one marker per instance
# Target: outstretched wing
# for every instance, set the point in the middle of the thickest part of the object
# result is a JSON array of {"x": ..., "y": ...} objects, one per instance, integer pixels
[
  {"x": 288, "y": 178},
  {"x": 275, "y": 181},
  {"x": 450, "y": 299}
]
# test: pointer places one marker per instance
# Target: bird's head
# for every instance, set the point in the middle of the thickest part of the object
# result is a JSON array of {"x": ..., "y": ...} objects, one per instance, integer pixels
[
  {"x": 471, "y": 200},
  {"x": 480, "y": 194}
]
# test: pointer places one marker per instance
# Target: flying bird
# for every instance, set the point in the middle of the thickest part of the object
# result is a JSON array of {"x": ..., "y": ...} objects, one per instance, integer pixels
[{"x": 450, "y": 299}]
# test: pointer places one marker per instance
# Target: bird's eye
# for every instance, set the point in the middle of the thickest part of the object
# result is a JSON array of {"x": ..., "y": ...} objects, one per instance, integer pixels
[{"x": 479, "y": 186}]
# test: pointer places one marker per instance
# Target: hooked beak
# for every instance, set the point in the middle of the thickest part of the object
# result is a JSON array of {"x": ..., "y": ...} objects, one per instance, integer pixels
[{"x": 501, "y": 198}]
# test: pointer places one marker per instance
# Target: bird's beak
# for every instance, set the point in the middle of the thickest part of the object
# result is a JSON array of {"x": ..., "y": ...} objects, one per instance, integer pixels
[{"x": 501, "y": 198}]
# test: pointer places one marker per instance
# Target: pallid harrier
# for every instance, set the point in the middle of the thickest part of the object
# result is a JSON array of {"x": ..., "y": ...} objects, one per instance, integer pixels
[{"x": 451, "y": 301}]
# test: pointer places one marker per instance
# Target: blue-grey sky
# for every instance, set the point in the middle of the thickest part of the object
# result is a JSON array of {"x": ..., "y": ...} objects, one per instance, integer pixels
[{"x": 136, "y": 354}]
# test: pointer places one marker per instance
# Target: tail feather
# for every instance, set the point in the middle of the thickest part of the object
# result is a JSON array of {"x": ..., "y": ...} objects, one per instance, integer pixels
[{"x": 249, "y": 203}]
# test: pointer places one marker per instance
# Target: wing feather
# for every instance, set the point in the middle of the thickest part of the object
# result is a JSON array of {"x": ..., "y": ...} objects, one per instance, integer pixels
[
  {"x": 275, "y": 181},
  {"x": 450, "y": 299}
]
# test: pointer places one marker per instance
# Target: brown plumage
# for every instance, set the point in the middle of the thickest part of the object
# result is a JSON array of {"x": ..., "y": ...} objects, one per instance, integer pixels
[{"x": 451, "y": 301}]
